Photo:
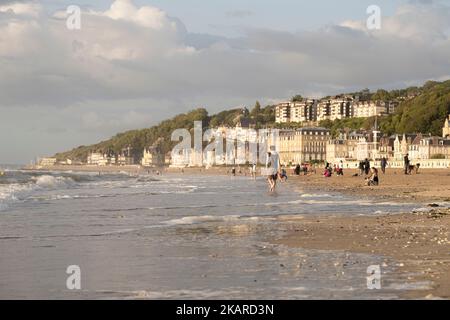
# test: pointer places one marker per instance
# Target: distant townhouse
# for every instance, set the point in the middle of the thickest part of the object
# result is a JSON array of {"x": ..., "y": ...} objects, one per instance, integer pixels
[
  {"x": 446, "y": 128},
  {"x": 97, "y": 159},
  {"x": 401, "y": 145},
  {"x": 47, "y": 162},
  {"x": 152, "y": 157},
  {"x": 126, "y": 157},
  {"x": 433, "y": 148}
]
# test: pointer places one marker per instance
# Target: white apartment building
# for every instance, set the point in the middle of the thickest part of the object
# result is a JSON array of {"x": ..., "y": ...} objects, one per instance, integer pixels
[
  {"x": 47, "y": 162},
  {"x": 366, "y": 109},
  {"x": 283, "y": 112}
]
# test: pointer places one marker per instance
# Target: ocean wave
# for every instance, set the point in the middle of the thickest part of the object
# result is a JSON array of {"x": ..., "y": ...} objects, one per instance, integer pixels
[
  {"x": 51, "y": 182},
  {"x": 21, "y": 186}
]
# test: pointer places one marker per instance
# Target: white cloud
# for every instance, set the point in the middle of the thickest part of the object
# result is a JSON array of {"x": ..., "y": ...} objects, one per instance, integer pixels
[{"x": 29, "y": 9}]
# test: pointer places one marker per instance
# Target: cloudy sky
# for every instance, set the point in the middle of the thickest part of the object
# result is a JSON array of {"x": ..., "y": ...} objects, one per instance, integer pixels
[{"x": 136, "y": 62}]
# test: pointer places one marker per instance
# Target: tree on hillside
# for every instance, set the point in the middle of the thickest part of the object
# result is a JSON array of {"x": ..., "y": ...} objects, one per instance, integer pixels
[
  {"x": 297, "y": 98},
  {"x": 256, "y": 110}
]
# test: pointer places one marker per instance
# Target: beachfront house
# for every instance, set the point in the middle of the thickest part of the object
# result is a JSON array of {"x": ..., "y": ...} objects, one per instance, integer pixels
[
  {"x": 47, "y": 162},
  {"x": 446, "y": 128},
  {"x": 302, "y": 145}
]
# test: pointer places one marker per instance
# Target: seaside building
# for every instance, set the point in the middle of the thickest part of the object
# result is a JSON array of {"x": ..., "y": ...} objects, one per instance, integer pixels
[
  {"x": 311, "y": 111},
  {"x": 47, "y": 162},
  {"x": 401, "y": 146},
  {"x": 283, "y": 112},
  {"x": 180, "y": 159},
  {"x": 97, "y": 159},
  {"x": 152, "y": 157},
  {"x": 446, "y": 128},
  {"x": 433, "y": 148},
  {"x": 126, "y": 157},
  {"x": 366, "y": 109},
  {"x": 341, "y": 108},
  {"x": 302, "y": 145}
]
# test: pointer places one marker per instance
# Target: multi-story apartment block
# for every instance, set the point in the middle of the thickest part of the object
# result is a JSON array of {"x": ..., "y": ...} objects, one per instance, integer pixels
[
  {"x": 341, "y": 108},
  {"x": 324, "y": 110},
  {"x": 283, "y": 112},
  {"x": 365, "y": 109}
]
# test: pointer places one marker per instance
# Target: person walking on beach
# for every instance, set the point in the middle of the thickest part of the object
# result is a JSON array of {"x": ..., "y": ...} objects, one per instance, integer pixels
[
  {"x": 272, "y": 168},
  {"x": 340, "y": 168},
  {"x": 361, "y": 168},
  {"x": 367, "y": 166},
  {"x": 253, "y": 169},
  {"x": 406, "y": 163},
  {"x": 383, "y": 165}
]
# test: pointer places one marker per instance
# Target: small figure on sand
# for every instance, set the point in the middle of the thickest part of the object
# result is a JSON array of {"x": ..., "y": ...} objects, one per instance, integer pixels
[
  {"x": 340, "y": 168},
  {"x": 253, "y": 171},
  {"x": 366, "y": 166},
  {"x": 383, "y": 165},
  {"x": 283, "y": 174},
  {"x": 297, "y": 170},
  {"x": 406, "y": 164},
  {"x": 373, "y": 179},
  {"x": 328, "y": 171},
  {"x": 361, "y": 168}
]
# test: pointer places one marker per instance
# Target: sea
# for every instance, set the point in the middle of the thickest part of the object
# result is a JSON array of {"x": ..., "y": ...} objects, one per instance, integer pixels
[{"x": 176, "y": 236}]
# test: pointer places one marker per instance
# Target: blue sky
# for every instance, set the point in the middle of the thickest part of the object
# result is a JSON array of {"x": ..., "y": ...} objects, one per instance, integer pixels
[{"x": 224, "y": 17}]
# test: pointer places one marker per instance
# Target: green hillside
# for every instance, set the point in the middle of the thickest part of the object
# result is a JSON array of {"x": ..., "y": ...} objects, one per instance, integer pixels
[
  {"x": 140, "y": 139},
  {"x": 424, "y": 113}
]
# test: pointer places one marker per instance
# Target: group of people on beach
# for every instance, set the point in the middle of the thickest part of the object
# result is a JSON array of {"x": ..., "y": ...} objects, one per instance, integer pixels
[
  {"x": 338, "y": 169},
  {"x": 274, "y": 171},
  {"x": 365, "y": 169}
]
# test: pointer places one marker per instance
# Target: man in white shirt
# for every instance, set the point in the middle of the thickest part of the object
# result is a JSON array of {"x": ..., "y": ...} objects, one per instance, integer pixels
[{"x": 273, "y": 168}]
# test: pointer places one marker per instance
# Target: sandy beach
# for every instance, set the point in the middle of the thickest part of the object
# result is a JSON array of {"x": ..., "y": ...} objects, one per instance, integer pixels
[
  {"x": 418, "y": 241},
  {"x": 427, "y": 186}
]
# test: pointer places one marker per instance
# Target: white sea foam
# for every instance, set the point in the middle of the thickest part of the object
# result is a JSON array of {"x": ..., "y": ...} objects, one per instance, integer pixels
[
  {"x": 202, "y": 219},
  {"x": 318, "y": 195},
  {"x": 11, "y": 193}
]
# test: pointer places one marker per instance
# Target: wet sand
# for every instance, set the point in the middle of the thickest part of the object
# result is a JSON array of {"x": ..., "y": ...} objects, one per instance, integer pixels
[{"x": 418, "y": 241}]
